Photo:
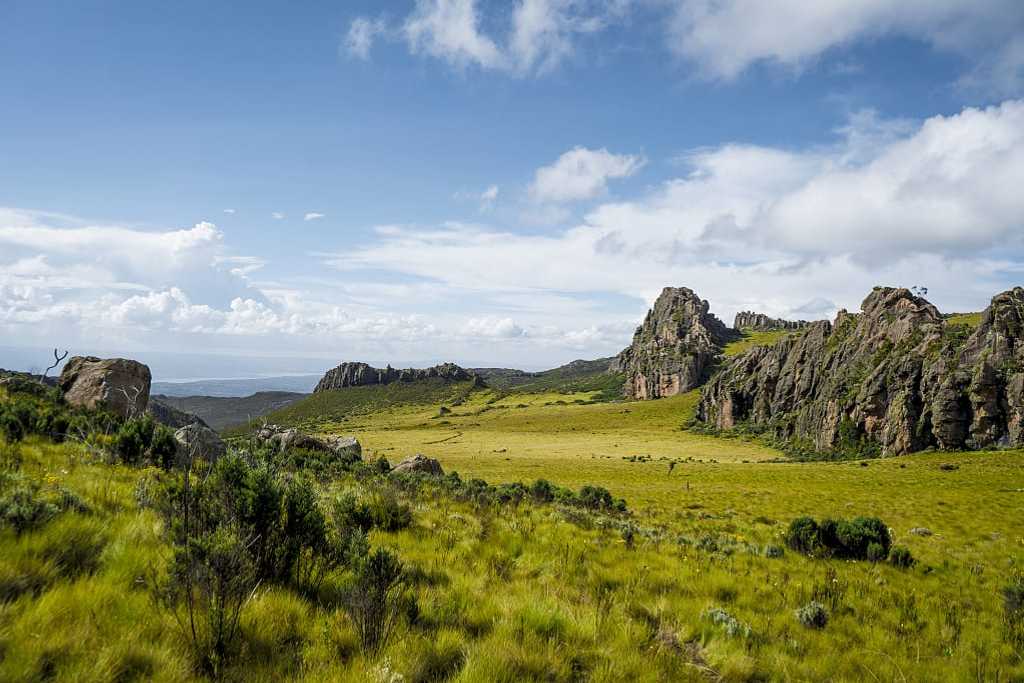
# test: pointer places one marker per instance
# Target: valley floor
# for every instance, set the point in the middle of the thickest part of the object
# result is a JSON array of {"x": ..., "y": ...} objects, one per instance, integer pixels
[{"x": 694, "y": 584}]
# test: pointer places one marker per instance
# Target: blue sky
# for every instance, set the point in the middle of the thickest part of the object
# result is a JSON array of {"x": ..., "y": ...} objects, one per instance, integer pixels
[{"x": 493, "y": 182}]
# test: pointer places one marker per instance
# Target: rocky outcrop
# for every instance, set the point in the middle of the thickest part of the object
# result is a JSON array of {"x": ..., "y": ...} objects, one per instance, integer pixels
[
  {"x": 895, "y": 378},
  {"x": 170, "y": 416},
  {"x": 346, "y": 448},
  {"x": 361, "y": 374},
  {"x": 419, "y": 463},
  {"x": 759, "y": 322},
  {"x": 116, "y": 385},
  {"x": 676, "y": 347},
  {"x": 199, "y": 441}
]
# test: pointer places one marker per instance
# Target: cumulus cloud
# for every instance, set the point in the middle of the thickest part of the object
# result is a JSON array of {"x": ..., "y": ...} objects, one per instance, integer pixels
[
  {"x": 581, "y": 173},
  {"x": 759, "y": 227},
  {"x": 312, "y": 216},
  {"x": 725, "y": 37},
  {"x": 541, "y": 34},
  {"x": 490, "y": 326},
  {"x": 277, "y": 215},
  {"x": 449, "y": 30}
]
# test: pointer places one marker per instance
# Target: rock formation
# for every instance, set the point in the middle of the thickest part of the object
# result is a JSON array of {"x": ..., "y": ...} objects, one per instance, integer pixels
[
  {"x": 361, "y": 374},
  {"x": 199, "y": 441},
  {"x": 895, "y": 378},
  {"x": 419, "y": 463},
  {"x": 117, "y": 385},
  {"x": 347, "y": 448},
  {"x": 759, "y": 322},
  {"x": 675, "y": 348}
]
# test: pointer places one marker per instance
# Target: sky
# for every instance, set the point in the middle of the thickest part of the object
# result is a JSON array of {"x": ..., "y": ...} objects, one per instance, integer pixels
[{"x": 492, "y": 183}]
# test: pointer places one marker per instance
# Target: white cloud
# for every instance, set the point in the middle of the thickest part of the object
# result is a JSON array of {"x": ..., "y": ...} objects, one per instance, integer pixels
[
  {"x": 361, "y": 35},
  {"x": 277, "y": 215},
  {"x": 582, "y": 173},
  {"x": 725, "y": 37},
  {"x": 935, "y": 203},
  {"x": 541, "y": 33},
  {"x": 449, "y": 30},
  {"x": 490, "y": 194},
  {"x": 312, "y": 216},
  {"x": 490, "y": 326},
  {"x": 229, "y": 211}
]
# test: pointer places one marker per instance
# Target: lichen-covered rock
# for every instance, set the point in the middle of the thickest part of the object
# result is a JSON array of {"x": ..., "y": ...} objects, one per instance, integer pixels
[
  {"x": 117, "y": 385},
  {"x": 675, "y": 348},
  {"x": 419, "y": 463},
  {"x": 759, "y": 322},
  {"x": 196, "y": 440},
  {"x": 361, "y": 374},
  {"x": 346, "y": 448},
  {"x": 896, "y": 378}
]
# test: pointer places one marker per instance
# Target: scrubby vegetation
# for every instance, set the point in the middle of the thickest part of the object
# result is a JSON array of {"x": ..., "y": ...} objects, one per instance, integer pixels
[{"x": 287, "y": 566}]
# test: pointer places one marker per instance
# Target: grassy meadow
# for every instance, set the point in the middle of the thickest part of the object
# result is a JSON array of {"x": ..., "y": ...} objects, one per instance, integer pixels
[{"x": 694, "y": 582}]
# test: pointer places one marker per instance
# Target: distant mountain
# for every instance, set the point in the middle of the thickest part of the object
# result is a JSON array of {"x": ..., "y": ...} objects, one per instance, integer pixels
[
  {"x": 578, "y": 375},
  {"x": 225, "y": 411},
  {"x": 300, "y": 384}
]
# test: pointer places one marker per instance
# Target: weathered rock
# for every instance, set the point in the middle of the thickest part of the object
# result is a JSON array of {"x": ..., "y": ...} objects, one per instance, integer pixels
[
  {"x": 170, "y": 416},
  {"x": 675, "y": 348},
  {"x": 897, "y": 377},
  {"x": 361, "y": 374},
  {"x": 346, "y": 448},
  {"x": 759, "y": 322},
  {"x": 920, "y": 531},
  {"x": 419, "y": 463},
  {"x": 117, "y": 385},
  {"x": 199, "y": 441}
]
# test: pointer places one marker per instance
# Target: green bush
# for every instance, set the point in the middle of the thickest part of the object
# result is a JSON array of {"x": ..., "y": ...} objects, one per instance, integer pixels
[
  {"x": 812, "y": 615},
  {"x": 542, "y": 491},
  {"x": 375, "y": 600},
  {"x": 861, "y": 538},
  {"x": 388, "y": 513},
  {"x": 11, "y": 427},
  {"x": 22, "y": 505},
  {"x": 901, "y": 557},
  {"x": 164, "y": 447}
]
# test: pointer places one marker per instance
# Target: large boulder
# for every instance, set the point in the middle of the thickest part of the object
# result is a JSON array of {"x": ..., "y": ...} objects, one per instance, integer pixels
[
  {"x": 196, "y": 440},
  {"x": 419, "y": 463},
  {"x": 759, "y": 322},
  {"x": 116, "y": 385}
]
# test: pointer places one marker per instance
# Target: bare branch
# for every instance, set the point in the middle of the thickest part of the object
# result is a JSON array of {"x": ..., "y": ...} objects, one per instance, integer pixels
[{"x": 57, "y": 361}]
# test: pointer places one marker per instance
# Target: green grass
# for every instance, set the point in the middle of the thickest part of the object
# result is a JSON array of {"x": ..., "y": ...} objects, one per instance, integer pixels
[
  {"x": 971, "y": 320},
  {"x": 752, "y": 339},
  {"x": 537, "y": 593}
]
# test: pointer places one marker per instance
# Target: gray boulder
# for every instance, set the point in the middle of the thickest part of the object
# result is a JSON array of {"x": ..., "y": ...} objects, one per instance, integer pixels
[
  {"x": 345, "y": 447},
  {"x": 196, "y": 440},
  {"x": 419, "y": 463},
  {"x": 117, "y": 385}
]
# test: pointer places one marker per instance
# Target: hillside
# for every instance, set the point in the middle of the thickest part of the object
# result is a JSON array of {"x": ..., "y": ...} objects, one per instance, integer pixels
[
  {"x": 577, "y": 376},
  {"x": 220, "y": 412}
]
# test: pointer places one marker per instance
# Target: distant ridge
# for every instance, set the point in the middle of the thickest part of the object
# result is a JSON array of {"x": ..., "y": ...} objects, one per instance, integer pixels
[{"x": 363, "y": 374}]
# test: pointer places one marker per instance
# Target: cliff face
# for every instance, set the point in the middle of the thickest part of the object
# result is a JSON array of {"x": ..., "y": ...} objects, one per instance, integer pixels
[
  {"x": 361, "y": 374},
  {"x": 896, "y": 377},
  {"x": 759, "y": 322},
  {"x": 675, "y": 348}
]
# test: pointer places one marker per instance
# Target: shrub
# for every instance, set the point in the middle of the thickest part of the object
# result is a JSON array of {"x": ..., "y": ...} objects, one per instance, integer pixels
[
  {"x": 163, "y": 448},
  {"x": 774, "y": 551},
  {"x": 214, "y": 576},
  {"x": 876, "y": 553},
  {"x": 849, "y": 539},
  {"x": 374, "y": 601},
  {"x": 542, "y": 491},
  {"x": 22, "y": 505},
  {"x": 900, "y": 556},
  {"x": 595, "y": 498},
  {"x": 732, "y": 626},
  {"x": 133, "y": 439},
  {"x": 388, "y": 513},
  {"x": 812, "y": 615},
  {"x": 10, "y": 427},
  {"x": 803, "y": 535}
]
